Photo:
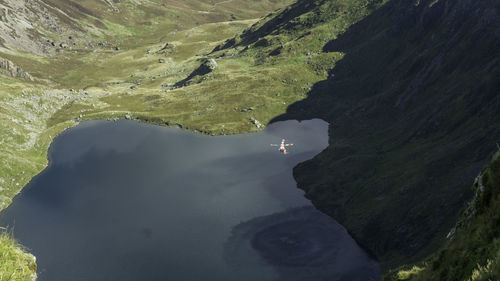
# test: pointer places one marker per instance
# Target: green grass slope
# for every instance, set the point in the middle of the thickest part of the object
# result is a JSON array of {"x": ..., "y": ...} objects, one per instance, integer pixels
[
  {"x": 15, "y": 264},
  {"x": 472, "y": 250},
  {"x": 248, "y": 82}
]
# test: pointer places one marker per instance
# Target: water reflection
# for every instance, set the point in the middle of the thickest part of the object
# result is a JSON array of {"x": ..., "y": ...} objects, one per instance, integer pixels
[{"x": 302, "y": 244}]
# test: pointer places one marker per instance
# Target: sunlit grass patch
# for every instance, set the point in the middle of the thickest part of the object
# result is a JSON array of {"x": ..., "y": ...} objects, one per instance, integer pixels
[
  {"x": 406, "y": 274},
  {"x": 15, "y": 263}
]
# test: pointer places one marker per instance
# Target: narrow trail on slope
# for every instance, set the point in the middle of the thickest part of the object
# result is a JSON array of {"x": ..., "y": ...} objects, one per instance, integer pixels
[{"x": 217, "y": 4}]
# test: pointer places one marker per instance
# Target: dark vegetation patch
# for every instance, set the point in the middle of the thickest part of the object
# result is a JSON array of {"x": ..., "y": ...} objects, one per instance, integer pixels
[
  {"x": 472, "y": 249},
  {"x": 413, "y": 97}
]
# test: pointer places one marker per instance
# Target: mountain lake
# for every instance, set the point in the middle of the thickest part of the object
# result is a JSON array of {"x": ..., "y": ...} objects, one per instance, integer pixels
[{"x": 126, "y": 201}]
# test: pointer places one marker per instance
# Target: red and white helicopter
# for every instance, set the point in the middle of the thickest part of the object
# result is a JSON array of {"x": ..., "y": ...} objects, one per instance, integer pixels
[{"x": 283, "y": 146}]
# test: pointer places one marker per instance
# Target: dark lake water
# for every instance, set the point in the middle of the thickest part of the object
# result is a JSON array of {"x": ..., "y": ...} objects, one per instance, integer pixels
[{"x": 130, "y": 201}]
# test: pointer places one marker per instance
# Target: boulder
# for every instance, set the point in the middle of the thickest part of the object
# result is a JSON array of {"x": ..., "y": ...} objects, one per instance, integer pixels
[{"x": 256, "y": 123}]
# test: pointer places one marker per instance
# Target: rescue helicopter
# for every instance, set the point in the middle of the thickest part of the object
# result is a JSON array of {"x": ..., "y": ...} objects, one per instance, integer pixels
[{"x": 283, "y": 146}]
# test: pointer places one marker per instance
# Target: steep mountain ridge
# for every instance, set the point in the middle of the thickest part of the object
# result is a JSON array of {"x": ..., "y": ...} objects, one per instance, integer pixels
[
  {"x": 302, "y": 21},
  {"x": 415, "y": 113}
]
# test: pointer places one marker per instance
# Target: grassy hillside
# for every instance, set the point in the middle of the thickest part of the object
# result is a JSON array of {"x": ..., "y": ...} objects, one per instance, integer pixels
[
  {"x": 472, "y": 249},
  {"x": 14, "y": 263}
]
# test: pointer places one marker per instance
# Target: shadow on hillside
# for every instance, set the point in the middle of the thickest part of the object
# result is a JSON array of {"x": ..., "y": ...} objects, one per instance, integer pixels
[
  {"x": 335, "y": 93},
  {"x": 414, "y": 115},
  {"x": 283, "y": 20}
]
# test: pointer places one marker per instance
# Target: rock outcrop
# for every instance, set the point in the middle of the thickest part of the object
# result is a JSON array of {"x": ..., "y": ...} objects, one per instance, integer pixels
[
  {"x": 10, "y": 69},
  {"x": 206, "y": 67}
]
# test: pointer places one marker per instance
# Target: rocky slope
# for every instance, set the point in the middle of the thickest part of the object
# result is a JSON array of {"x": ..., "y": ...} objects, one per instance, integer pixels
[
  {"x": 472, "y": 249},
  {"x": 44, "y": 27},
  {"x": 39, "y": 27}
]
